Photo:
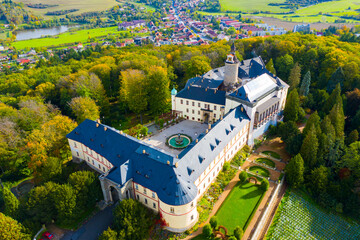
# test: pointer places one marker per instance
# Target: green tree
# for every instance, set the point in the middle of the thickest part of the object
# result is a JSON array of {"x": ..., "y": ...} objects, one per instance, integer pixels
[
  {"x": 133, "y": 218},
  {"x": 265, "y": 184},
  {"x": 158, "y": 90},
  {"x": 353, "y": 102},
  {"x": 336, "y": 78},
  {"x": 283, "y": 65},
  {"x": 309, "y": 148},
  {"x": 197, "y": 65},
  {"x": 294, "y": 77},
  {"x": 84, "y": 108},
  {"x": 11, "y": 203},
  {"x": 314, "y": 120},
  {"x": 295, "y": 171},
  {"x": 11, "y": 229},
  {"x": 305, "y": 84},
  {"x": 65, "y": 201},
  {"x": 243, "y": 176},
  {"x": 214, "y": 222},
  {"x": 109, "y": 234},
  {"x": 353, "y": 137},
  {"x": 334, "y": 97},
  {"x": 238, "y": 232},
  {"x": 103, "y": 71},
  {"x": 351, "y": 159},
  {"x": 292, "y": 107},
  {"x": 318, "y": 180},
  {"x": 232, "y": 238},
  {"x": 270, "y": 66},
  {"x": 338, "y": 120},
  {"x": 207, "y": 231}
]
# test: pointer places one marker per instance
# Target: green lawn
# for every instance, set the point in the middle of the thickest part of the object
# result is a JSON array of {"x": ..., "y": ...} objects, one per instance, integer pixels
[
  {"x": 238, "y": 207},
  {"x": 68, "y": 37},
  {"x": 260, "y": 171},
  {"x": 266, "y": 161},
  {"x": 252, "y": 6},
  {"x": 272, "y": 154}
]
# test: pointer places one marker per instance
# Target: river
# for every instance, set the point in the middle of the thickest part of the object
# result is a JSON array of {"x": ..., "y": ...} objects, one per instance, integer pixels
[{"x": 38, "y": 33}]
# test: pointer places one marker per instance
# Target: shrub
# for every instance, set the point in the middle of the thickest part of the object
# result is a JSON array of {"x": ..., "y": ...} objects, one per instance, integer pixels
[
  {"x": 207, "y": 231},
  {"x": 232, "y": 238},
  {"x": 265, "y": 184},
  {"x": 214, "y": 222},
  {"x": 243, "y": 176},
  {"x": 238, "y": 233},
  {"x": 226, "y": 166}
]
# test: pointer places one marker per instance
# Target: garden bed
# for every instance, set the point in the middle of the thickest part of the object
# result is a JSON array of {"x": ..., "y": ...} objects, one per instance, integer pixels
[
  {"x": 260, "y": 171},
  {"x": 272, "y": 154},
  {"x": 266, "y": 161}
]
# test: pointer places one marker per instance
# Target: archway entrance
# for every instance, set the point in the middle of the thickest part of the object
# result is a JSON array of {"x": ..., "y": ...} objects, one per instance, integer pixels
[
  {"x": 114, "y": 194},
  {"x": 206, "y": 117}
]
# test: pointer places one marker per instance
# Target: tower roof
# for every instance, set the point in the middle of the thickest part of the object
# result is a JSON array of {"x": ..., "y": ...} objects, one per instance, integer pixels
[{"x": 173, "y": 91}]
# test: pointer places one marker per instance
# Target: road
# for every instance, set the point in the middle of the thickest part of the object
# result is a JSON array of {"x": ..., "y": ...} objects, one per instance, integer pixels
[{"x": 94, "y": 227}]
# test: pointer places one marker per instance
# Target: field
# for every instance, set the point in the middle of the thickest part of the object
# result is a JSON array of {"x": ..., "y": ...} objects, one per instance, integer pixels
[
  {"x": 297, "y": 218},
  {"x": 82, "y": 5},
  {"x": 252, "y": 6},
  {"x": 68, "y": 37},
  {"x": 238, "y": 207}
]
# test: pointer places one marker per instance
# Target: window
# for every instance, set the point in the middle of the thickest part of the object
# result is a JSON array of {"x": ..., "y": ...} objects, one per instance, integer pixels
[
  {"x": 193, "y": 103},
  {"x": 144, "y": 190},
  {"x": 103, "y": 169},
  {"x": 77, "y": 154},
  {"x": 187, "y": 110},
  {"x": 74, "y": 144},
  {"x": 93, "y": 162},
  {"x": 213, "y": 174},
  {"x": 181, "y": 101},
  {"x": 193, "y": 118},
  {"x": 89, "y": 159},
  {"x": 136, "y": 187},
  {"x": 153, "y": 195},
  {"x": 198, "y": 112},
  {"x": 204, "y": 185},
  {"x": 198, "y": 119},
  {"x": 192, "y": 217},
  {"x": 193, "y": 111},
  {"x": 199, "y": 104},
  {"x": 145, "y": 201},
  {"x": 154, "y": 205},
  {"x": 172, "y": 210},
  {"x": 137, "y": 197},
  {"x": 99, "y": 166},
  {"x": 192, "y": 204},
  {"x": 208, "y": 179},
  {"x": 187, "y": 102},
  {"x": 214, "y": 107},
  {"x": 214, "y": 115}
]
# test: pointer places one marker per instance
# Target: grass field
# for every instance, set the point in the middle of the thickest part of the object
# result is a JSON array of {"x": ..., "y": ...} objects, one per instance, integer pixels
[
  {"x": 82, "y": 5},
  {"x": 252, "y": 6},
  {"x": 260, "y": 171},
  {"x": 68, "y": 37},
  {"x": 272, "y": 154},
  {"x": 298, "y": 218},
  {"x": 266, "y": 161},
  {"x": 238, "y": 207}
]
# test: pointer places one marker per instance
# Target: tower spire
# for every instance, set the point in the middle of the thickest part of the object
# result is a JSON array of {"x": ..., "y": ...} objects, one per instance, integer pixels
[{"x": 233, "y": 48}]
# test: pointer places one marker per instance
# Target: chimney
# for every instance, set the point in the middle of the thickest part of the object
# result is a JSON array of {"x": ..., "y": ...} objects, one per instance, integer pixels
[
  {"x": 121, "y": 132},
  {"x": 168, "y": 162},
  {"x": 176, "y": 164},
  {"x": 207, "y": 130},
  {"x": 188, "y": 87},
  {"x": 105, "y": 128},
  {"x": 144, "y": 151},
  {"x": 205, "y": 89},
  {"x": 98, "y": 121},
  {"x": 97, "y": 125},
  {"x": 209, "y": 126}
]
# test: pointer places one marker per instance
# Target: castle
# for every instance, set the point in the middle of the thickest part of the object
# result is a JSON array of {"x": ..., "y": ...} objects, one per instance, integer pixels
[{"x": 239, "y": 102}]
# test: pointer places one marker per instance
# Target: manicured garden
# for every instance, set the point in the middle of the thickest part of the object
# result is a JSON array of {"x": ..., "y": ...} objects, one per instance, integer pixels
[
  {"x": 266, "y": 161},
  {"x": 238, "y": 207},
  {"x": 259, "y": 171},
  {"x": 272, "y": 154},
  {"x": 297, "y": 218}
]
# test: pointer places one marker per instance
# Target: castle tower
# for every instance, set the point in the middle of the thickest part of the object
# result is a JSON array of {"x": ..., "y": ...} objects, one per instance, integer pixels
[
  {"x": 231, "y": 68},
  {"x": 173, "y": 103}
]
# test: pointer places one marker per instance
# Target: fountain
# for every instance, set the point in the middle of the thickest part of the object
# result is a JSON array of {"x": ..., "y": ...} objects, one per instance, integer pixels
[{"x": 178, "y": 141}]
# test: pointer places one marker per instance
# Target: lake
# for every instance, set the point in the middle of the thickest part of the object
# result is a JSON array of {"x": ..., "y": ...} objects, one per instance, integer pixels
[{"x": 38, "y": 33}]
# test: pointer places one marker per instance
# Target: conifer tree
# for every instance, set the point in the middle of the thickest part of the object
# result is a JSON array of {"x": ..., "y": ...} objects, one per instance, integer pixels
[
  {"x": 314, "y": 120},
  {"x": 294, "y": 77},
  {"x": 270, "y": 66},
  {"x": 309, "y": 148},
  {"x": 305, "y": 84},
  {"x": 337, "y": 77},
  {"x": 292, "y": 106},
  {"x": 353, "y": 137},
  {"x": 338, "y": 120},
  {"x": 334, "y": 97},
  {"x": 295, "y": 171}
]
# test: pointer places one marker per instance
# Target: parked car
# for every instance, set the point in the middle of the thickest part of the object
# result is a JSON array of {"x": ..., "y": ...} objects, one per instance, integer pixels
[{"x": 48, "y": 235}]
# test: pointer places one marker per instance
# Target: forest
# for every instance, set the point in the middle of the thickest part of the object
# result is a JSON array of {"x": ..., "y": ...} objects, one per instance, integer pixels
[{"x": 129, "y": 86}]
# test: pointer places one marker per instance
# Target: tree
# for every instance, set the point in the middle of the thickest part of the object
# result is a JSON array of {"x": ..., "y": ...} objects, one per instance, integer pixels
[
  {"x": 338, "y": 120},
  {"x": 265, "y": 184},
  {"x": 336, "y": 78},
  {"x": 238, "y": 233},
  {"x": 197, "y": 65},
  {"x": 243, "y": 176},
  {"x": 270, "y": 66},
  {"x": 84, "y": 108},
  {"x": 133, "y": 218},
  {"x": 65, "y": 201},
  {"x": 309, "y": 148},
  {"x": 214, "y": 222},
  {"x": 283, "y": 65},
  {"x": 292, "y": 107},
  {"x": 353, "y": 137},
  {"x": 103, "y": 71},
  {"x": 353, "y": 102},
  {"x": 158, "y": 92},
  {"x": 351, "y": 159},
  {"x": 11, "y": 203},
  {"x": 305, "y": 84},
  {"x": 318, "y": 180},
  {"x": 11, "y": 229},
  {"x": 295, "y": 171},
  {"x": 232, "y": 238},
  {"x": 109, "y": 234},
  {"x": 294, "y": 77},
  {"x": 314, "y": 120},
  {"x": 207, "y": 231},
  {"x": 334, "y": 97},
  {"x": 134, "y": 90}
]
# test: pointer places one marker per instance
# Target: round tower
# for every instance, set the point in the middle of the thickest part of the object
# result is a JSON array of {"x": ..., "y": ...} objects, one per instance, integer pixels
[{"x": 231, "y": 68}]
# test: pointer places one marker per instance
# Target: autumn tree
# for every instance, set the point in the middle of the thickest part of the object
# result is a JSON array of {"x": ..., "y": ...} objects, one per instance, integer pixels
[
  {"x": 295, "y": 171},
  {"x": 292, "y": 106},
  {"x": 84, "y": 108},
  {"x": 134, "y": 90},
  {"x": 103, "y": 71},
  {"x": 294, "y": 77},
  {"x": 197, "y": 65},
  {"x": 305, "y": 84},
  {"x": 158, "y": 90},
  {"x": 283, "y": 65},
  {"x": 11, "y": 229}
]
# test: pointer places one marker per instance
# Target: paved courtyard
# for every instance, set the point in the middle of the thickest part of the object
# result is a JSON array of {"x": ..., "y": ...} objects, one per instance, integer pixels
[{"x": 190, "y": 128}]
